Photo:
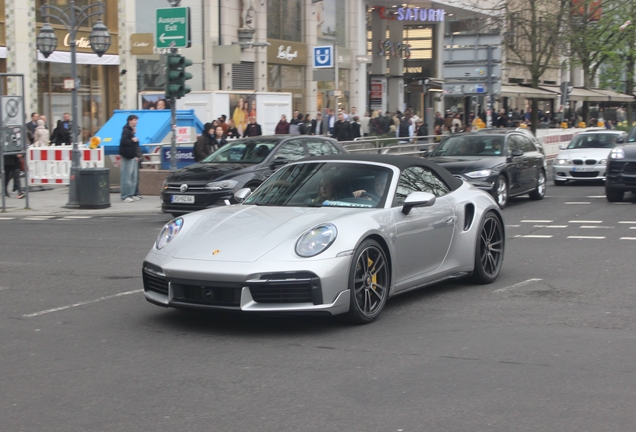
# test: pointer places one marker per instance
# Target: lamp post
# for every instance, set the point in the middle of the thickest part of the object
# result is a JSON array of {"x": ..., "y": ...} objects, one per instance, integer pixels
[{"x": 73, "y": 17}]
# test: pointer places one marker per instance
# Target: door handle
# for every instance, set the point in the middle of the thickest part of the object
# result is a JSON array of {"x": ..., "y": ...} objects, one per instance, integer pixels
[{"x": 449, "y": 219}]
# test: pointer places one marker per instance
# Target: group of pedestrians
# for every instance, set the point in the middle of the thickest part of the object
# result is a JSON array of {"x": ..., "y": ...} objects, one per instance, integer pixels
[{"x": 39, "y": 135}]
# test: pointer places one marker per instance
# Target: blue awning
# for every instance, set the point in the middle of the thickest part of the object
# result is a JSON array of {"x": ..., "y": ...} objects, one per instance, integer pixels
[{"x": 153, "y": 127}]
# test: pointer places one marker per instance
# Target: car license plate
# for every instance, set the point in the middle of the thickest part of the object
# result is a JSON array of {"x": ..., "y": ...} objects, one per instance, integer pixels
[
  {"x": 582, "y": 169},
  {"x": 183, "y": 199}
]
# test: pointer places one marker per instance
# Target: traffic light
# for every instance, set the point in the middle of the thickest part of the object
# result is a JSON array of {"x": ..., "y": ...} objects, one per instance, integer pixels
[{"x": 176, "y": 76}]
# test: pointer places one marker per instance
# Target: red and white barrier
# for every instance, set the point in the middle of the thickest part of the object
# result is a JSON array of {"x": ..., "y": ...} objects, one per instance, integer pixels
[{"x": 52, "y": 165}]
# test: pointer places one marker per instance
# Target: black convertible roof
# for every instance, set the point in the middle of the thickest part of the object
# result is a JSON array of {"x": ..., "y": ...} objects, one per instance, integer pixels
[{"x": 400, "y": 162}]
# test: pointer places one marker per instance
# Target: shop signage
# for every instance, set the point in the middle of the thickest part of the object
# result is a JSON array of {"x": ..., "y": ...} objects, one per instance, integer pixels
[
  {"x": 394, "y": 49},
  {"x": 83, "y": 44},
  {"x": 323, "y": 57},
  {"x": 285, "y": 52},
  {"x": 142, "y": 44},
  {"x": 410, "y": 14}
]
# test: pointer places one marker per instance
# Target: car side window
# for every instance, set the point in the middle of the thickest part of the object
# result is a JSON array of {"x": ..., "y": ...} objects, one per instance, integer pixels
[
  {"x": 317, "y": 147},
  {"x": 526, "y": 145},
  {"x": 419, "y": 179},
  {"x": 291, "y": 150},
  {"x": 513, "y": 143}
]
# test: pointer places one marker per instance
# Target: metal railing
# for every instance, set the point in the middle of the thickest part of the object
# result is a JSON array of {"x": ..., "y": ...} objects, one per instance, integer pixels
[{"x": 417, "y": 146}]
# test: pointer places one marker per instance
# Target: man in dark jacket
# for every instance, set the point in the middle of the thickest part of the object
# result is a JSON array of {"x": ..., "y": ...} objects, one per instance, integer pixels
[
  {"x": 318, "y": 126},
  {"x": 30, "y": 127},
  {"x": 62, "y": 133},
  {"x": 341, "y": 129},
  {"x": 253, "y": 129},
  {"x": 129, "y": 152},
  {"x": 282, "y": 128},
  {"x": 203, "y": 147}
]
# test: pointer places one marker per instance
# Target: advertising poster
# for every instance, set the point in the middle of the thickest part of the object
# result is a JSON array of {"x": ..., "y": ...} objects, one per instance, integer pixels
[
  {"x": 242, "y": 107},
  {"x": 154, "y": 102}
]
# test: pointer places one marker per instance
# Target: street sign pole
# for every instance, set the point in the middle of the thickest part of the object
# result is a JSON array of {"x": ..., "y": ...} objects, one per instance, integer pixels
[
  {"x": 489, "y": 104},
  {"x": 173, "y": 123}
]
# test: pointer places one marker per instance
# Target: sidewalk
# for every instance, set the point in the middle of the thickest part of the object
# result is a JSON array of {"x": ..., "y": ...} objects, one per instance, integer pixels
[{"x": 52, "y": 199}]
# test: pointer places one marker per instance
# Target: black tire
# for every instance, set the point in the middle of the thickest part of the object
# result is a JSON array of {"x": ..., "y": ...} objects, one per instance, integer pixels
[
  {"x": 368, "y": 282},
  {"x": 500, "y": 192},
  {"x": 489, "y": 250},
  {"x": 560, "y": 183},
  {"x": 539, "y": 192},
  {"x": 614, "y": 195}
]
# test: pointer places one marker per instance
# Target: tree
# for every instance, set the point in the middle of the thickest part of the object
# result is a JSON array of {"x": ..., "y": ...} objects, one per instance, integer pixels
[
  {"x": 533, "y": 31},
  {"x": 593, "y": 33}
]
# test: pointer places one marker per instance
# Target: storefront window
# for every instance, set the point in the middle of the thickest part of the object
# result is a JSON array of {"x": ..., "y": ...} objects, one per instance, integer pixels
[
  {"x": 282, "y": 78},
  {"x": 92, "y": 97},
  {"x": 284, "y": 20}
]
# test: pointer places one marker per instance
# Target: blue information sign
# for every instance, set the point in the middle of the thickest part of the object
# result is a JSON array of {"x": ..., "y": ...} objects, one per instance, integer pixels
[
  {"x": 323, "y": 57},
  {"x": 185, "y": 156}
]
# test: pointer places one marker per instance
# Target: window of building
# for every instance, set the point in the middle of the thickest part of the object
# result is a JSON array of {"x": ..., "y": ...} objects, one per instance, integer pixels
[
  {"x": 151, "y": 75},
  {"x": 284, "y": 20},
  {"x": 109, "y": 18},
  {"x": 330, "y": 14}
]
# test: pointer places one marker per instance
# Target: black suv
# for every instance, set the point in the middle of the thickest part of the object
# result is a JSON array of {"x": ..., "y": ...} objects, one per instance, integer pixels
[
  {"x": 238, "y": 164},
  {"x": 620, "y": 176},
  {"x": 503, "y": 162}
]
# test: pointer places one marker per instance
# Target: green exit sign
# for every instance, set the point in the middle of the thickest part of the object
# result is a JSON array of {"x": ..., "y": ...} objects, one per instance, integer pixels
[{"x": 173, "y": 26}]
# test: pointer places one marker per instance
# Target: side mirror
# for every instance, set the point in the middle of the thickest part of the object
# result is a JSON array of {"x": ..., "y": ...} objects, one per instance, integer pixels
[
  {"x": 242, "y": 194},
  {"x": 562, "y": 146},
  {"x": 418, "y": 199},
  {"x": 279, "y": 161},
  {"x": 516, "y": 153},
  {"x": 620, "y": 140}
]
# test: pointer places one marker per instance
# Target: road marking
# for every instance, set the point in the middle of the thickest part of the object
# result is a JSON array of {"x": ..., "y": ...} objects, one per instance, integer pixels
[
  {"x": 513, "y": 226},
  {"x": 628, "y": 238},
  {"x": 585, "y": 222},
  {"x": 77, "y": 217},
  {"x": 586, "y": 237},
  {"x": 632, "y": 227},
  {"x": 536, "y": 236},
  {"x": 577, "y": 202},
  {"x": 627, "y": 222},
  {"x": 6, "y": 218},
  {"x": 48, "y": 311},
  {"x": 550, "y": 226},
  {"x": 37, "y": 218},
  {"x": 536, "y": 221},
  {"x": 596, "y": 196},
  {"x": 595, "y": 227},
  {"x": 517, "y": 285}
]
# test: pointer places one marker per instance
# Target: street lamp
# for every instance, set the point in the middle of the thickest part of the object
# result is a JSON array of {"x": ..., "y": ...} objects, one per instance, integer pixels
[{"x": 73, "y": 17}]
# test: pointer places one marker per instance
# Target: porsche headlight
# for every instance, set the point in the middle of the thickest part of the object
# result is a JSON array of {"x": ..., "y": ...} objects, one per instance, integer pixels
[
  {"x": 563, "y": 161},
  {"x": 169, "y": 232},
  {"x": 478, "y": 174},
  {"x": 316, "y": 240},
  {"x": 221, "y": 185},
  {"x": 617, "y": 153}
]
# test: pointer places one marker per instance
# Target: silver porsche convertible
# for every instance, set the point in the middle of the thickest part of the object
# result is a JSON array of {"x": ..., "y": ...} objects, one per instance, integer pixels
[{"x": 329, "y": 235}]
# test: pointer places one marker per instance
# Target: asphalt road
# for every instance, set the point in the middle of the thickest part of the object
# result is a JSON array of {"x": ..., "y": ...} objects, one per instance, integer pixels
[{"x": 550, "y": 346}]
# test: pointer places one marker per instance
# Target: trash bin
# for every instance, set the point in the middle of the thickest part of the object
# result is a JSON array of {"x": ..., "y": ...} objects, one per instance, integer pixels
[{"x": 94, "y": 188}]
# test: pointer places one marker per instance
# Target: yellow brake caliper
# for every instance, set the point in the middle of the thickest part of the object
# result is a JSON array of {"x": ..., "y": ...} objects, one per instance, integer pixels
[{"x": 374, "y": 278}]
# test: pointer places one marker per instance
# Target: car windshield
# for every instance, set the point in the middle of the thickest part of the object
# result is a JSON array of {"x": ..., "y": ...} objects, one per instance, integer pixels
[
  {"x": 320, "y": 184},
  {"x": 244, "y": 151},
  {"x": 471, "y": 145},
  {"x": 632, "y": 136},
  {"x": 589, "y": 141}
]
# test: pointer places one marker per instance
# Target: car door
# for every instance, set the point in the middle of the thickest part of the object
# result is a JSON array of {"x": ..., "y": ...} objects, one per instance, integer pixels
[
  {"x": 320, "y": 147},
  {"x": 423, "y": 237},
  {"x": 515, "y": 164},
  {"x": 533, "y": 163}
]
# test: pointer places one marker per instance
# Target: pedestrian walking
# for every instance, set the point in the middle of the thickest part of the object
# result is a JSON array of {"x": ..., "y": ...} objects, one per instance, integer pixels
[
  {"x": 30, "y": 127},
  {"x": 282, "y": 128},
  {"x": 62, "y": 132},
  {"x": 356, "y": 128},
  {"x": 252, "y": 129},
  {"x": 12, "y": 172},
  {"x": 342, "y": 129},
  {"x": 203, "y": 147}
]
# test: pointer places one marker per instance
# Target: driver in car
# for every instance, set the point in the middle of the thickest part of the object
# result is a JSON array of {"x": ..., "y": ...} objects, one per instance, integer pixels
[{"x": 379, "y": 185}]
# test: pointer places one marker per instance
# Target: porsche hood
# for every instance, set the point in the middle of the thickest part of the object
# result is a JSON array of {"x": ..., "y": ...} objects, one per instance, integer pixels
[{"x": 246, "y": 233}]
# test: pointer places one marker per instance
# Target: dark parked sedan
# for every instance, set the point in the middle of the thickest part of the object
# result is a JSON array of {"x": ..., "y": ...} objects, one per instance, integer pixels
[
  {"x": 621, "y": 169},
  {"x": 240, "y": 164},
  {"x": 503, "y": 162}
]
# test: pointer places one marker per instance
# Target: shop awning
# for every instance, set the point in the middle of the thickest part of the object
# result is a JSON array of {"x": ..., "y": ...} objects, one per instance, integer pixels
[
  {"x": 80, "y": 58},
  {"x": 526, "y": 92},
  {"x": 615, "y": 96}
]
